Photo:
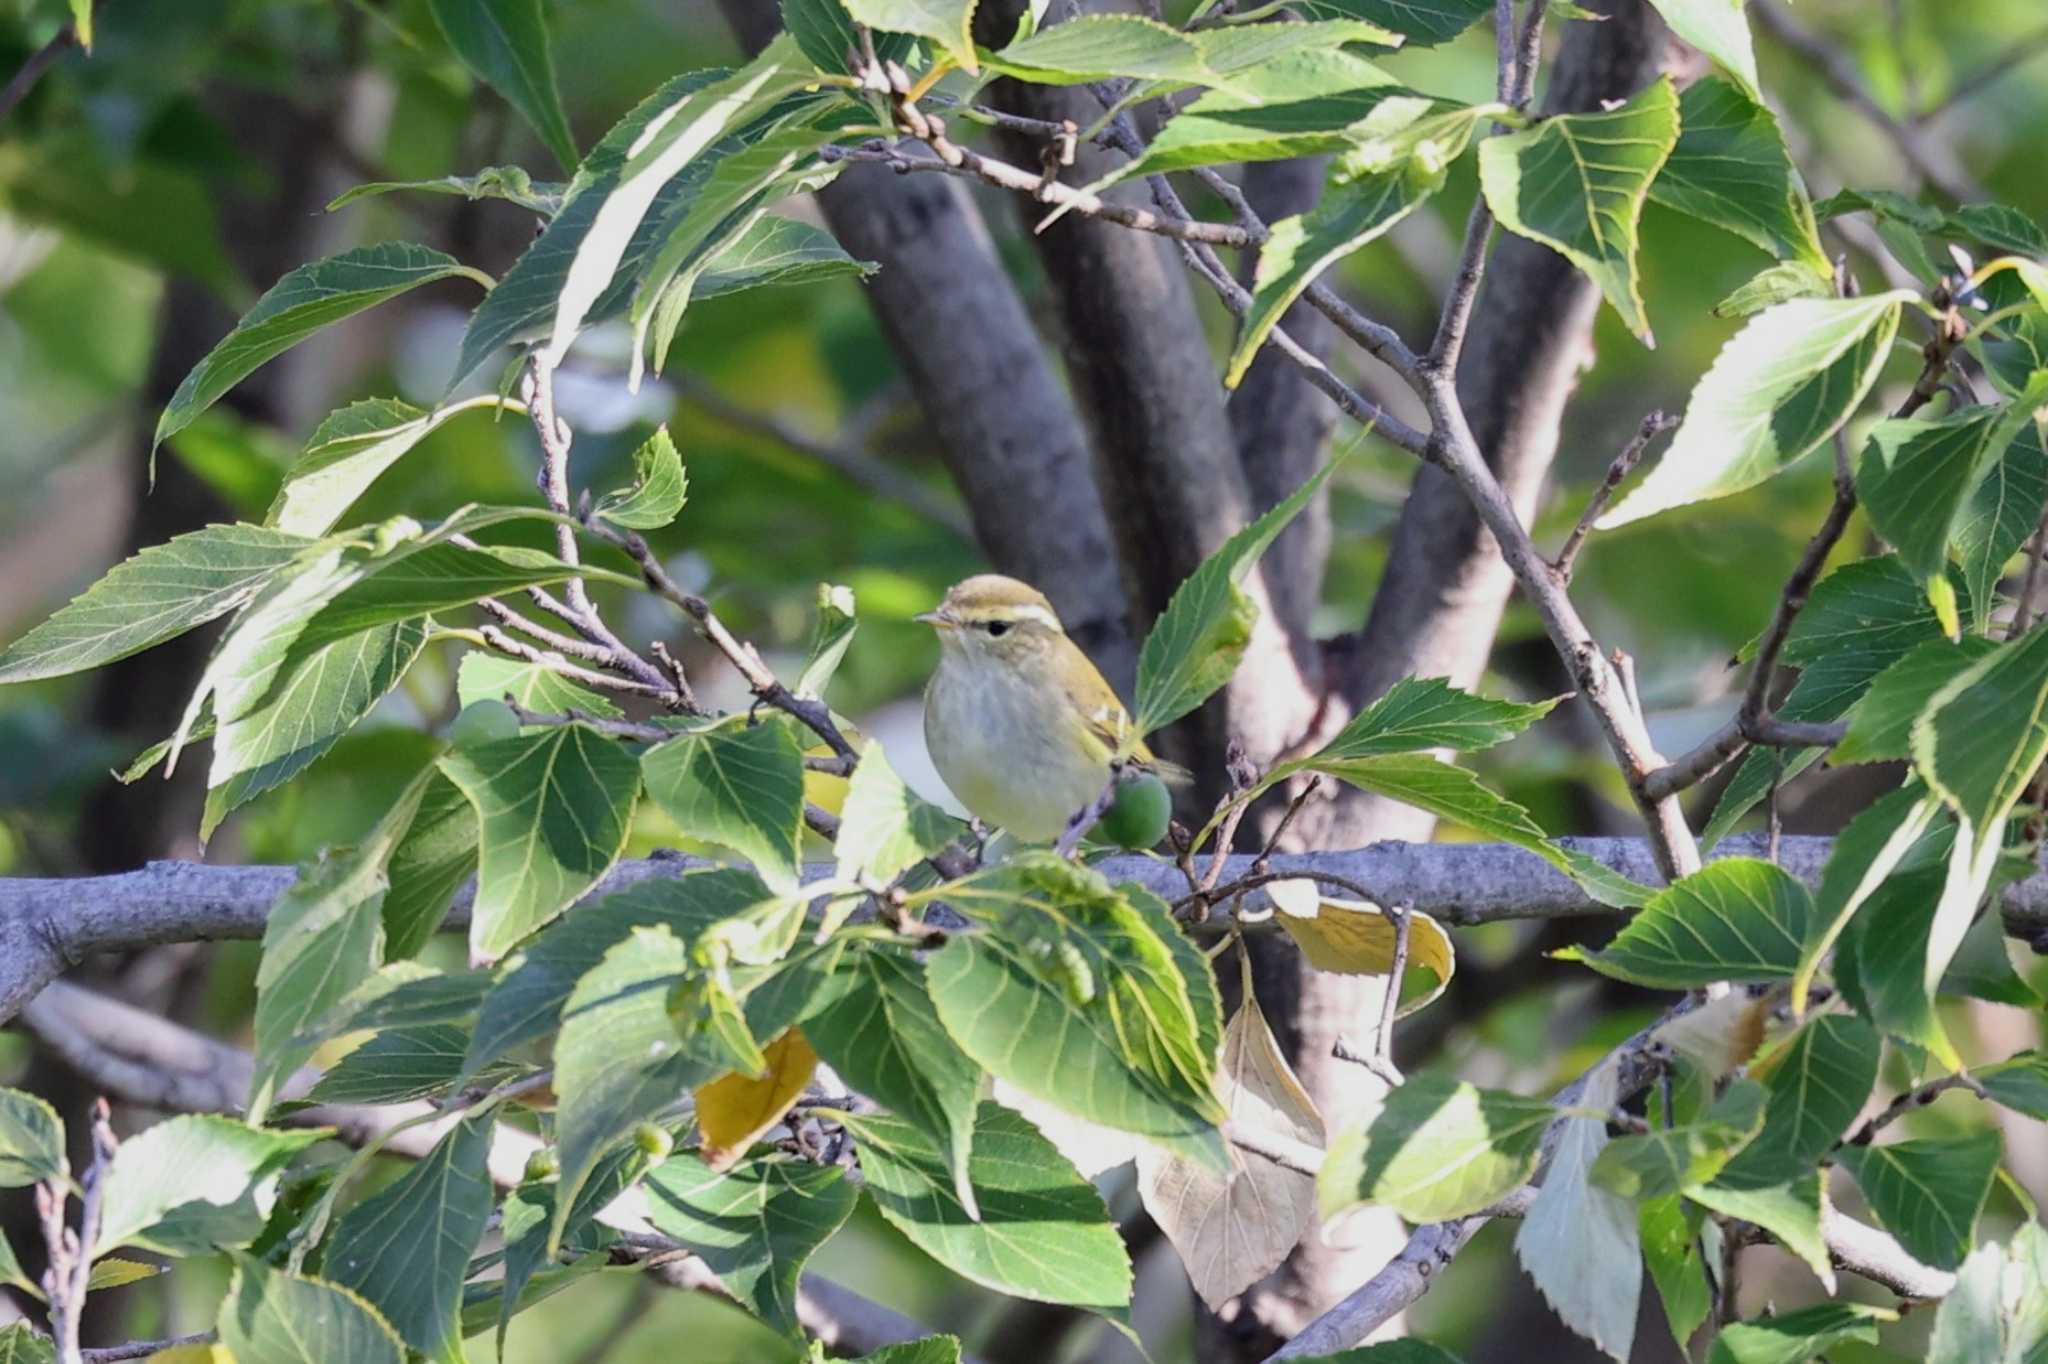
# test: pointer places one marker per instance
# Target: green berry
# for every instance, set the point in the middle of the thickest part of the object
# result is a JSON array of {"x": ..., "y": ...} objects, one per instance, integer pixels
[
  {"x": 483, "y": 722},
  {"x": 653, "y": 1141},
  {"x": 1137, "y": 819},
  {"x": 542, "y": 1164}
]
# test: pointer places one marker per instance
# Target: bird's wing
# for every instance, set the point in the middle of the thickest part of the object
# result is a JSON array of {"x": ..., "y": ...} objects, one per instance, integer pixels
[{"x": 1108, "y": 728}]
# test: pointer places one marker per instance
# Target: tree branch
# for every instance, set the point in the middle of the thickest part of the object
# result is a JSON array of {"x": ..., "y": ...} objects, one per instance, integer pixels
[{"x": 41, "y": 60}]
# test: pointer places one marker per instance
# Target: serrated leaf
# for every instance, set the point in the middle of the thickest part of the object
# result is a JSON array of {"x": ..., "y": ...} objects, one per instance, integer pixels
[
  {"x": 1580, "y": 1243},
  {"x": 735, "y": 1111},
  {"x": 192, "y": 1184},
  {"x": 1679, "y": 1159},
  {"x": 1352, "y": 213},
  {"x": 658, "y": 487},
  {"x": 1196, "y": 643},
  {"x": 1816, "y": 1084},
  {"x": 1881, "y": 725},
  {"x": 21, "y": 1343},
  {"x": 324, "y": 937},
  {"x": 825, "y": 32},
  {"x": 831, "y": 632},
  {"x": 949, "y": 23},
  {"x": 1737, "y": 919},
  {"x": 1669, "y": 1228},
  {"x": 1100, "y": 47},
  {"x": 510, "y": 183},
  {"x": 883, "y": 1037},
  {"x": 31, "y": 1141},
  {"x": 1790, "y": 1212},
  {"x": 1577, "y": 183},
  {"x": 347, "y": 453},
  {"x": 434, "y": 859},
  {"x": 400, "y": 1065},
  {"x": 1928, "y": 1193},
  {"x": 2020, "y": 1083},
  {"x": 738, "y": 785},
  {"x": 753, "y": 1226},
  {"x": 309, "y": 298},
  {"x": 2000, "y": 513},
  {"x": 1966, "y": 1323},
  {"x": 279, "y": 1318},
  {"x": 1720, "y": 31},
  {"x": 157, "y": 595},
  {"x": 885, "y": 828},
  {"x": 504, "y": 43},
  {"x": 1044, "y": 1232},
  {"x": 488, "y": 677},
  {"x": 1233, "y": 1229},
  {"x": 1731, "y": 169},
  {"x": 1076, "y": 996},
  {"x": 931, "y": 1350},
  {"x": 1779, "y": 388},
  {"x": 1420, "y": 713},
  {"x": 529, "y": 1215},
  {"x": 1425, "y": 23},
  {"x": 1353, "y": 937},
  {"x": 406, "y": 1248},
  {"x": 1915, "y": 480},
  {"x": 1796, "y": 1337},
  {"x": 1253, "y": 48},
  {"x": 11, "y": 1272},
  {"x": 1438, "y": 1148},
  {"x": 1883, "y": 965},
  {"x": 553, "y": 810},
  {"x": 1772, "y": 285}
]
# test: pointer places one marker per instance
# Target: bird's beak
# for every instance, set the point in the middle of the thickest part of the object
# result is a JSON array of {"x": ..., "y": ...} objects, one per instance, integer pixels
[{"x": 938, "y": 620}]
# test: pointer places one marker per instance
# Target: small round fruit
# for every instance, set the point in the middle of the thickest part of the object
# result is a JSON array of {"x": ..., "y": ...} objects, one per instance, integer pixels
[
  {"x": 1137, "y": 818},
  {"x": 542, "y": 1164},
  {"x": 483, "y": 722},
  {"x": 654, "y": 1142}
]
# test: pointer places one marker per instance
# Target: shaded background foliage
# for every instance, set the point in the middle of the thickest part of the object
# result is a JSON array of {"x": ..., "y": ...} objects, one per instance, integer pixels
[{"x": 148, "y": 193}]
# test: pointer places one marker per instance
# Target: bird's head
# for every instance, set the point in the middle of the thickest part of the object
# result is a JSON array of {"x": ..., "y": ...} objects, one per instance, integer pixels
[{"x": 993, "y": 617}]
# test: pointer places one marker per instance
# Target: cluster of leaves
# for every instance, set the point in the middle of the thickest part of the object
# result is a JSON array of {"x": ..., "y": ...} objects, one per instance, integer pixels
[{"x": 1055, "y": 1011}]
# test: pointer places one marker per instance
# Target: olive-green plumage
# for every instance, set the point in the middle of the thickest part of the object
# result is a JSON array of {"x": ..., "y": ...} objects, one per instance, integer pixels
[{"x": 1019, "y": 722}]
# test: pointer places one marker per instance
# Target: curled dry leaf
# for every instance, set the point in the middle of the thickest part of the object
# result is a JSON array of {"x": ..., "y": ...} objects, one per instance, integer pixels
[
  {"x": 1232, "y": 1230},
  {"x": 1355, "y": 938},
  {"x": 734, "y": 1111},
  {"x": 1721, "y": 1034}
]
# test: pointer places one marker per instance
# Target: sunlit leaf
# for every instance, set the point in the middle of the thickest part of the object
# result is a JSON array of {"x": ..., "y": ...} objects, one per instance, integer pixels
[
  {"x": 192, "y": 1184},
  {"x": 31, "y": 1140},
  {"x": 658, "y": 487},
  {"x": 1679, "y": 1159},
  {"x": 1795, "y": 1337},
  {"x": 274, "y": 1316},
  {"x": 885, "y": 828},
  {"x": 1928, "y": 1192},
  {"x": 1816, "y": 1084},
  {"x": 1731, "y": 168},
  {"x": 739, "y": 785},
  {"x": 1735, "y": 919},
  {"x": 1438, "y": 1148},
  {"x": 734, "y": 1111},
  {"x": 1720, "y": 31},
  {"x": 505, "y": 43},
  {"x": 1352, "y": 937}
]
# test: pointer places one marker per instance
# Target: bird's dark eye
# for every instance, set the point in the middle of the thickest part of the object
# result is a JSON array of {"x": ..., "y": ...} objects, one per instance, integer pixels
[{"x": 997, "y": 627}]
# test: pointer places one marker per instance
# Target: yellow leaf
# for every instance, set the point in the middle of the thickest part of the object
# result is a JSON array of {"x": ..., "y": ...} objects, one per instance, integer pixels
[
  {"x": 733, "y": 1110},
  {"x": 113, "y": 1272},
  {"x": 1232, "y": 1230},
  {"x": 1353, "y": 938},
  {"x": 193, "y": 1354}
]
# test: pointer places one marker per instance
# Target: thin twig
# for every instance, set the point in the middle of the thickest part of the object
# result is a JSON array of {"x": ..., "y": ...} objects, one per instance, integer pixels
[
  {"x": 141, "y": 1349},
  {"x": 1383, "y": 1044},
  {"x": 41, "y": 60},
  {"x": 1907, "y": 1102},
  {"x": 617, "y": 729},
  {"x": 554, "y": 639},
  {"x": 1654, "y": 425},
  {"x": 1087, "y": 817},
  {"x": 555, "y": 663}
]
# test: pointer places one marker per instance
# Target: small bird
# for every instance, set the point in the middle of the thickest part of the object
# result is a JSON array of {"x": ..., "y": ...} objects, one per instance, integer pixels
[{"x": 1020, "y": 724}]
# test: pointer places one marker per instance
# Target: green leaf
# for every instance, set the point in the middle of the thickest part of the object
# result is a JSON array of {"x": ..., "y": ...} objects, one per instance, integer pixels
[
  {"x": 2020, "y": 1083},
  {"x": 739, "y": 785},
  {"x": 1736, "y": 919},
  {"x": 1679, "y": 1159},
  {"x": 1577, "y": 184},
  {"x": 510, "y": 183},
  {"x": 1789, "y": 1212},
  {"x": 2001, "y": 512},
  {"x": 1966, "y": 1323},
  {"x": 1772, "y": 285},
  {"x": 31, "y": 1141},
  {"x": 885, "y": 828},
  {"x": 526, "y": 1003},
  {"x": 309, "y": 298},
  {"x": 825, "y": 33},
  {"x": 156, "y": 595},
  {"x": 1076, "y": 996},
  {"x": 1817, "y": 1083},
  {"x": 1719, "y": 30},
  {"x": 11, "y": 1272},
  {"x": 1670, "y": 1231},
  {"x": 282, "y": 1319},
  {"x": 432, "y": 861},
  {"x": 504, "y": 43},
  {"x": 1407, "y": 145},
  {"x": 1417, "y": 714},
  {"x": 1867, "y": 851},
  {"x": 1731, "y": 169},
  {"x": 324, "y": 937},
  {"x": 831, "y": 632},
  {"x": 949, "y": 23},
  {"x": 1916, "y": 479},
  {"x": 23, "y": 1344},
  {"x": 1580, "y": 1243},
  {"x": 1044, "y": 1232},
  {"x": 400, "y": 1065},
  {"x": 883, "y": 1037},
  {"x": 1779, "y": 388},
  {"x": 553, "y": 809},
  {"x": 775, "y": 251},
  {"x": 1100, "y": 47},
  {"x": 406, "y": 1248},
  {"x": 1799, "y": 1336},
  {"x": 931, "y": 1350},
  {"x": 529, "y": 1215},
  {"x": 755, "y": 1225},
  {"x": 658, "y": 487},
  {"x": 1881, "y": 725},
  {"x": 349, "y": 451},
  {"x": 1928, "y": 1193},
  {"x": 1883, "y": 964},
  {"x": 1199, "y": 638},
  {"x": 622, "y": 1056},
  {"x": 193, "y": 1184},
  {"x": 1438, "y": 1148},
  {"x": 488, "y": 677},
  {"x": 1425, "y": 23},
  {"x": 668, "y": 145},
  {"x": 1251, "y": 49}
]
